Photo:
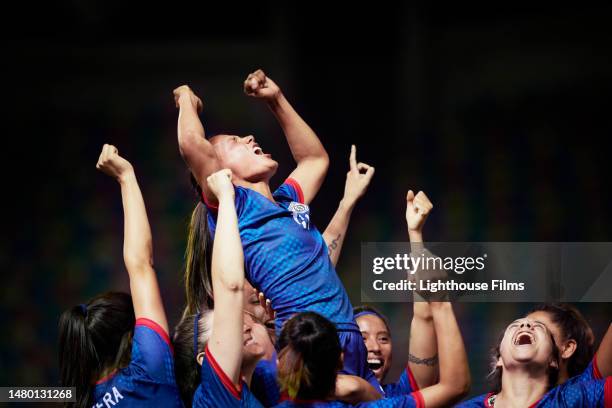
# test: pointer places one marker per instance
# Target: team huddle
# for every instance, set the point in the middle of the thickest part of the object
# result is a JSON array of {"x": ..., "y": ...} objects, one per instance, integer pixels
[{"x": 267, "y": 321}]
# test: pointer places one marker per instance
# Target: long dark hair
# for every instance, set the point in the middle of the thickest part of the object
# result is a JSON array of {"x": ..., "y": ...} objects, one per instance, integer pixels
[
  {"x": 309, "y": 358},
  {"x": 186, "y": 368},
  {"x": 198, "y": 254},
  {"x": 94, "y": 337},
  {"x": 573, "y": 326},
  {"x": 495, "y": 374}
]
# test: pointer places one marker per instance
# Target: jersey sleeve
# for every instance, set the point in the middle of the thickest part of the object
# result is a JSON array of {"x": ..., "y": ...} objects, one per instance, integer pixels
[
  {"x": 413, "y": 400},
  {"x": 290, "y": 190},
  {"x": 216, "y": 388},
  {"x": 404, "y": 386},
  {"x": 596, "y": 393},
  {"x": 152, "y": 353}
]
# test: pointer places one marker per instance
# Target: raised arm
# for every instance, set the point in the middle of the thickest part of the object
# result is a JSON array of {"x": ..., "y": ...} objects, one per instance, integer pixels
[
  {"x": 423, "y": 349},
  {"x": 197, "y": 152},
  {"x": 308, "y": 152},
  {"x": 454, "y": 370},
  {"x": 354, "y": 188},
  {"x": 604, "y": 354},
  {"x": 227, "y": 280},
  {"x": 138, "y": 243}
]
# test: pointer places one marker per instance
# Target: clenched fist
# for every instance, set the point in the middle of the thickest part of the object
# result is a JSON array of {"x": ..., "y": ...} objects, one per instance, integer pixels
[
  {"x": 185, "y": 90},
  {"x": 220, "y": 183},
  {"x": 417, "y": 209},
  {"x": 112, "y": 164},
  {"x": 258, "y": 85}
]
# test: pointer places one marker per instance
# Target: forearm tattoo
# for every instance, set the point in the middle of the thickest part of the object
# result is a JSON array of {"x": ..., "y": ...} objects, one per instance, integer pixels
[
  {"x": 333, "y": 245},
  {"x": 432, "y": 361}
]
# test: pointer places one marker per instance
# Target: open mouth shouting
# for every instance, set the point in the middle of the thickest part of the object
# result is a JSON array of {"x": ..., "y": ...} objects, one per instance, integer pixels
[
  {"x": 375, "y": 364},
  {"x": 259, "y": 151},
  {"x": 523, "y": 338}
]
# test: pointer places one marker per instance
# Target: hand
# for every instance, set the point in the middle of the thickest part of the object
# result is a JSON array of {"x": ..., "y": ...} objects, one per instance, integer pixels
[
  {"x": 267, "y": 305},
  {"x": 112, "y": 164},
  {"x": 356, "y": 181},
  {"x": 258, "y": 85},
  {"x": 220, "y": 183},
  {"x": 417, "y": 209},
  {"x": 185, "y": 90}
]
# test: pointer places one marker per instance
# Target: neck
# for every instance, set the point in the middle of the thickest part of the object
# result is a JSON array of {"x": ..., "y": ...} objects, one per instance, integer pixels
[
  {"x": 563, "y": 374},
  {"x": 522, "y": 387},
  {"x": 262, "y": 187},
  {"x": 247, "y": 370}
]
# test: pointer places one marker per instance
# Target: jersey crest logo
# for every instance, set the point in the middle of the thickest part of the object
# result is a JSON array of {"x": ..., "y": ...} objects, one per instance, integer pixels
[{"x": 301, "y": 214}]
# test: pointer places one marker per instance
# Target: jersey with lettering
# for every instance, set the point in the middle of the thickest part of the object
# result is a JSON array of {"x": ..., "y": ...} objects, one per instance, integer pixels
[
  {"x": 148, "y": 379},
  {"x": 217, "y": 390},
  {"x": 285, "y": 255},
  {"x": 414, "y": 400},
  {"x": 404, "y": 386},
  {"x": 595, "y": 394}
]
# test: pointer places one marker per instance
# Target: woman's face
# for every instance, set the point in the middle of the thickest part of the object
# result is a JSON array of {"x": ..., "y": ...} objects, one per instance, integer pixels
[
  {"x": 377, "y": 340},
  {"x": 252, "y": 348},
  {"x": 244, "y": 157},
  {"x": 526, "y": 341}
]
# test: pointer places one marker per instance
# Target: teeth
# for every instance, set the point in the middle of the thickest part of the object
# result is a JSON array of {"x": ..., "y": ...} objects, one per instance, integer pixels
[{"x": 374, "y": 361}]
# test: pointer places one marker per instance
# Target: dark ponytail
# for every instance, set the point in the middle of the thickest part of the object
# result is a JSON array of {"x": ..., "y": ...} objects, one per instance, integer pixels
[
  {"x": 198, "y": 280},
  {"x": 94, "y": 337},
  {"x": 310, "y": 357}
]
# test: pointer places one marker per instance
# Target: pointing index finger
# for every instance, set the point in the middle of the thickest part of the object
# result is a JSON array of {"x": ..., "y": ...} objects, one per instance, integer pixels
[{"x": 353, "y": 159}]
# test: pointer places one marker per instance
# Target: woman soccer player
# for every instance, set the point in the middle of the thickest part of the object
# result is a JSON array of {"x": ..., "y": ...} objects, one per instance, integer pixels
[
  {"x": 526, "y": 367},
  {"x": 115, "y": 348},
  {"x": 575, "y": 342},
  {"x": 216, "y": 353},
  {"x": 422, "y": 368},
  {"x": 286, "y": 257}
]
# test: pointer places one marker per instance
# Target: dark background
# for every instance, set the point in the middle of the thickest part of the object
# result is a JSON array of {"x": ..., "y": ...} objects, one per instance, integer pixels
[{"x": 500, "y": 115}]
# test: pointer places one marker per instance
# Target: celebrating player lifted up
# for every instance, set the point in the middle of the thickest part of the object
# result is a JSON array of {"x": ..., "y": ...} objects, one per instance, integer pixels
[{"x": 285, "y": 255}]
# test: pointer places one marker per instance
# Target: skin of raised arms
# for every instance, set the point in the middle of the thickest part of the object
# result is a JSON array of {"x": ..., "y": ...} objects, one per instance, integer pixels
[
  {"x": 226, "y": 339},
  {"x": 423, "y": 350},
  {"x": 604, "y": 354},
  {"x": 308, "y": 152},
  {"x": 198, "y": 153},
  {"x": 454, "y": 372},
  {"x": 353, "y": 389},
  {"x": 138, "y": 243},
  {"x": 357, "y": 181}
]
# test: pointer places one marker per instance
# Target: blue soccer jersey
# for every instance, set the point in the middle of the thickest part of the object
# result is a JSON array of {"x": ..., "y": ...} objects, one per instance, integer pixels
[
  {"x": 217, "y": 390},
  {"x": 581, "y": 394},
  {"x": 589, "y": 374},
  {"x": 285, "y": 255},
  {"x": 263, "y": 383},
  {"x": 404, "y": 386},
  {"x": 149, "y": 378},
  {"x": 414, "y": 400}
]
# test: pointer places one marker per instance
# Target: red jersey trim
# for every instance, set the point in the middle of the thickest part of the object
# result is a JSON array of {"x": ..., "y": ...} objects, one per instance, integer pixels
[
  {"x": 208, "y": 204},
  {"x": 486, "y": 400},
  {"x": 411, "y": 379},
  {"x": 111, "y": 375},
  {"x": 143, "y": 321},
  {"x": 229, "y": 385},
  {"x": 418, "y": 397},
  {"x": 298, "y": 189},
  {"x": 608, "y": 393},
  {"x": 596, "y": 372}
]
